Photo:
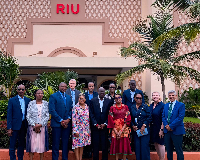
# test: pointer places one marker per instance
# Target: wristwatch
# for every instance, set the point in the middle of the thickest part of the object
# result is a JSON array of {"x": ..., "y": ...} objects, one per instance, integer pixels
[{"x": 161, "y": 129}]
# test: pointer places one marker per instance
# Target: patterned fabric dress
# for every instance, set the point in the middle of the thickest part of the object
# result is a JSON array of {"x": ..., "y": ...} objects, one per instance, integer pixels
[
  {"x": 81, "y": 125},
  {"x": 116, "y": 119}
]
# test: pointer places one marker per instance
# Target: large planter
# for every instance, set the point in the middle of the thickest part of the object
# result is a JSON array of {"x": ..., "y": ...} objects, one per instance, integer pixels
[{"x": 4, "y": 155}]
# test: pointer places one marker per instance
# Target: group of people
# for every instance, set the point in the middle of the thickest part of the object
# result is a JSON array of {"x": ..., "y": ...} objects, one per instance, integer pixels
[{"x": 90, "y": 118}]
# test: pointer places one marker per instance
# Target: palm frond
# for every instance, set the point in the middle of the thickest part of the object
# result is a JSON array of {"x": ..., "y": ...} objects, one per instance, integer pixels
[
  {"x": 138, "y": 69},
  {"x": 168, "y": 49},
  {"x": 189, "y": 31},
  {"x": 188, "y": 57},
  {"x": 188, "y": 72},
  {"x": 194, "y": 10},
  {"x": 177, "y": 4},
  {"x": 139, "y": 50}
]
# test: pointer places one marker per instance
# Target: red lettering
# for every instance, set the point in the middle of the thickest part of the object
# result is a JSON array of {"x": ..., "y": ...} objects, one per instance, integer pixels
[
  {"x": 72, "y": 9},
  {"x": 60, "y": 9},
  {"x": 67, "y": 8}
]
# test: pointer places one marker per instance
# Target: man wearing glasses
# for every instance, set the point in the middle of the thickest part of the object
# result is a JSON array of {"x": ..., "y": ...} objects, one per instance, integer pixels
[
  {"x": 111, "y": 94},
  {"x": 128, "y": 95},
  {"x": 17, "y": 123}
]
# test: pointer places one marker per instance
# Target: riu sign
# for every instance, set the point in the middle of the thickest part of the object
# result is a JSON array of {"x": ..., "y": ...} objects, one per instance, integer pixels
[{"x": 63, "y": 9}]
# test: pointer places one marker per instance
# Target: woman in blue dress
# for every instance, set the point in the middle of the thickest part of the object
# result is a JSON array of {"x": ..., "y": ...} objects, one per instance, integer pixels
[
  {"x": 156, "y": 126},
  {"x": 141, "y": 117}
]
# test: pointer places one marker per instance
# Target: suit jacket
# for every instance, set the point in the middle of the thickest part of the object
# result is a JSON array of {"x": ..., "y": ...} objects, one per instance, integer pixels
[
  {"x": 32, "y": 113},
  {"x": 77, "y": 92},
  {"x": 96, "y": 116},
  {"x": 176, "y": 120},
  {"x": 95, "y": 94},
  {"x": 127, "y": 100},
  {"x": 143, "y": 116},
  {"x": 58, "y": 109},
  {"x": 14, "y": 113}
]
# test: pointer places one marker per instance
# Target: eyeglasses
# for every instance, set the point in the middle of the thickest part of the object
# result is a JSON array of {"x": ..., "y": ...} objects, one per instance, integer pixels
[
  {"x": 138, "y": 98},
  {"x": 118, "y": 97},
  {"x": 111, "y": 87},
  {"x": 19, "y": 89}
]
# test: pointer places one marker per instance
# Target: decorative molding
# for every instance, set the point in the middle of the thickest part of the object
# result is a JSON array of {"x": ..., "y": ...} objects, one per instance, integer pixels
[{"x": 61, "y": 50}]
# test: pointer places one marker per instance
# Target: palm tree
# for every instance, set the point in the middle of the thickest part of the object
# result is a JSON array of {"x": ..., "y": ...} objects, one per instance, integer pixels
[
  {"x": 188, "y": 31},
  {"x": 163, "y": 61}
]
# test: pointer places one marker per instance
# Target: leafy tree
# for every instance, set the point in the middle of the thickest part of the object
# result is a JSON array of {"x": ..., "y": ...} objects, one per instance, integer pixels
[
  {"x": 9, "y": 70},
  {"x": 53, "y": 79},
  {"x": 163, "y": 61}
]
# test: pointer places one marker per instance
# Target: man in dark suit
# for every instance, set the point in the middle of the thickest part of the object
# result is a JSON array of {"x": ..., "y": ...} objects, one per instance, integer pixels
[
  {"x": 99, "y": 109},
  {"x": 173, "y": 115},
  {"x": 90, "y": 93},
  {"x": 87, "y": 152},
  {"x": 72, "y": 92},
  {"x": 128, "y": 95},
  {"x": 17, "y": 123},
  {"x": 60, "y": 108}
]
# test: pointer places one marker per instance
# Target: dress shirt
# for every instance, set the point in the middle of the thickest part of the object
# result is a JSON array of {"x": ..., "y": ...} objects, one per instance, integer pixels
[
  {"x": 101, "y": 103},
  {"x": 173, "y": 104},
  {"x": 132, "y": 95},
  {"x": 73, "y": 96},
  {"x": 90, "y": 95},
  {"x": 22, "y": 104}
]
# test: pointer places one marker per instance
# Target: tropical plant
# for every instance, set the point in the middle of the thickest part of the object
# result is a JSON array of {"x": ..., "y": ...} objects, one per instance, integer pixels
[
  {"x": 191, "y": 98},
  {"x": 187, "y": 32},
  {"x": 3, "y": 109},
  {"x": 162, "y": 61},
  {"x": 9, "y": 71},
  {"x": 53, "y": 79}
]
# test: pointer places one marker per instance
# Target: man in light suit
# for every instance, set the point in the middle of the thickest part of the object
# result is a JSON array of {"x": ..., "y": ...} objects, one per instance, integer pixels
[
  {"x": 128, "y": 95},
  {"x": 60, "y": 108},
  {"x": 17, "y": 123},
  {"x": 72, "y": 92},
  {"x": 99, "y": 109},
  {"x": 173, "y": 115}
]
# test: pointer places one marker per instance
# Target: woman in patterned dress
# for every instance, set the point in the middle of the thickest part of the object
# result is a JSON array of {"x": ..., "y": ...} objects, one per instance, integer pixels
[
  {"x": 81, "y": 133},
  {"x": 119, "y": 119},
  {"x": 37, "y": 133}
]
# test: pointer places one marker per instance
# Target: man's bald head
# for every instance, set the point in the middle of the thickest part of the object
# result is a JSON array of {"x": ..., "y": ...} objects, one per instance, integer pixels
[
  {"x": 62, "y": 87},
  {"x": 101, "y": 92},
  {"x": 21, "y": 90}
]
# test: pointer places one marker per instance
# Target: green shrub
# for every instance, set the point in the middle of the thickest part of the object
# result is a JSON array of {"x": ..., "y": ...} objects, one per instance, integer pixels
[
  {"x": 191, "y": 99},
  {"x": 3, "y": 109},
  {"x": 53, "y": 79},
  {"x": 4, "y": 139},
  {"x": 191, "y": 139}
]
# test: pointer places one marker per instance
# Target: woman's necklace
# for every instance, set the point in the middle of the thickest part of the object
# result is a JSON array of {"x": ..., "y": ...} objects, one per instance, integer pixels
[{"x": 119, "y": 108}]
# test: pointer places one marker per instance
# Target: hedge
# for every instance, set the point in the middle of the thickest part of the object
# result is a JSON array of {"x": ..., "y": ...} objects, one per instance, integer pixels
[{"x": 191, "y": 139}]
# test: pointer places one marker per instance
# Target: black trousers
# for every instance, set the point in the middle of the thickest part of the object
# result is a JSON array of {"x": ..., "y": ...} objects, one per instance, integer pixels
[
  {"x": 171, "y": 141},
  {"x": 100, "y": 140}
]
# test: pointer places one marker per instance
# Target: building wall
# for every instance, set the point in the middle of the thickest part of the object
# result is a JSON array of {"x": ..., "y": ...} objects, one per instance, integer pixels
[{"x": 101, "y": 26}]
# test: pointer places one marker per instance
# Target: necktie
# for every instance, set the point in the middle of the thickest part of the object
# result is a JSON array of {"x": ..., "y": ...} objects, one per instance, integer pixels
[
  {"x": 64, "y": 98},
  {"x": 169, "y": 112}
]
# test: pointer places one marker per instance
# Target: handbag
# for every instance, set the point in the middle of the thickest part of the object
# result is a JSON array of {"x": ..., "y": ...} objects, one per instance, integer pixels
[{"x": 145, "y": 132}]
